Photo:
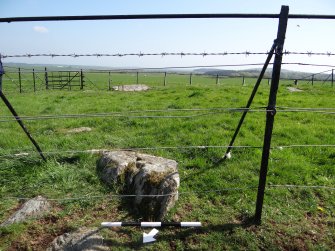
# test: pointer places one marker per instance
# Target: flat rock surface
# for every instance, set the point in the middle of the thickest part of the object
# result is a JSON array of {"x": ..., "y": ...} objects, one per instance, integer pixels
[
  {"x": 130, "y": 88},
  {"x": 293, "y": 89},
  {"x": 79, "y": 129},
  {"x": 33, "y": 208},
  {"x": 82, "y": 239}
]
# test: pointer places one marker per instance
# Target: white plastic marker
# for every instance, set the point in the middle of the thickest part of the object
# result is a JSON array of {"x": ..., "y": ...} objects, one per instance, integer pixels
[
  {"x": 150, "y": 236},
  {"x": 228, "y": 155}
]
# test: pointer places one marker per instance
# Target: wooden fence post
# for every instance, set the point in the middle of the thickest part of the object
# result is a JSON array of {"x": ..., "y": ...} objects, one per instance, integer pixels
[
  {"x": 271, "y": 112},
  {"x": 46, "y": 78},
  {"x": 332, "y": 77},
  {"x": 165, "y": 78},
  {"x": 313, "y": 79},
  {"x": 137, "y": 78},
  {"x": 81, "y": 79},
  {"x": 34, "y": 80},
  {"x": 20, "y": 84},
  {"x": 109, "y": 81}
]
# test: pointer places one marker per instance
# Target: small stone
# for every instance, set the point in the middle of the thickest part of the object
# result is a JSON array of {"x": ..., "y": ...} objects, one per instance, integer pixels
[{"x": 33, "y": 208}]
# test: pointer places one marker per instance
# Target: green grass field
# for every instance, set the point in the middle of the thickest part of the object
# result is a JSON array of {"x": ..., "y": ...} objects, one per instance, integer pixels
[{"x": 293, "y": 218}]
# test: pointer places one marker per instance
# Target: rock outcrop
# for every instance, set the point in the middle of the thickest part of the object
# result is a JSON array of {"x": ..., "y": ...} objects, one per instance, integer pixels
[
  {"x": 82, "y": 239},
  {"x": 33, "y": 208},
  {"x": 154, "y": 180}
]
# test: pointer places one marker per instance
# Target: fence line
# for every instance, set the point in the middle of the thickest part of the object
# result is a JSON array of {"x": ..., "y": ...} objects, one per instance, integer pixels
[
  {"x": 23, "y": 153},
  {"x": 111, "y": 196},
  {"x": 4, "y": 119}
]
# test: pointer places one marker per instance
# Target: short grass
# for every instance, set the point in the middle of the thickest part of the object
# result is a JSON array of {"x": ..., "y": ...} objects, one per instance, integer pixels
[{"x": 293, "y": 218}]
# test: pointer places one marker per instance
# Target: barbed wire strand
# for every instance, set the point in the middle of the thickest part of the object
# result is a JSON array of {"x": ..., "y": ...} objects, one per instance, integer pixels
[
  {"x": 163, "y": 54},
  {"x": 110, "y": 196}
]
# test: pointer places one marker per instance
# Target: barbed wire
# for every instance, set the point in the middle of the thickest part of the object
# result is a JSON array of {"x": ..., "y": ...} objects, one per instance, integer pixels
[
  {"x": 22, "y": 153},
  {"x": 162, "y": 54},
  {"x": 111, "y": 196}
]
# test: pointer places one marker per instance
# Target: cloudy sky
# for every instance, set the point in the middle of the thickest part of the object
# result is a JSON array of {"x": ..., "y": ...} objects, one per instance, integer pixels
[{"x": 157, "y": 36}]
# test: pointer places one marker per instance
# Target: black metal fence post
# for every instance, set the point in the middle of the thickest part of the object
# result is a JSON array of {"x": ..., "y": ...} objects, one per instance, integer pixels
[
  {"x": 16, "y": 116},
  {"x": 137, "y": 78},
  {"x": 217, "y": 79},
  {"x": 332, "y": 77},
  {"x": 2, "y": 71},
  {"x": 190, "y": 78},
  {"x": 251, "y": 98},
  {"x": 271, "y": 112}
]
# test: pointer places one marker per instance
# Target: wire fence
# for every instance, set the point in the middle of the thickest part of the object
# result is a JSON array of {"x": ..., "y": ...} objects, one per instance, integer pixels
[
  {"x": 216, "y": 191},
  {"x": 28, "y": 80},
  {"x": 62, "y": 79},
  {"x": 128, "y": 114},
  {"x": 23, "y": 153}
]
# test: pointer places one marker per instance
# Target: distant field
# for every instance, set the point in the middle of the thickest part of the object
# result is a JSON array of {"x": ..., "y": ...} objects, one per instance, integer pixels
[{"x": 293, "y": 218}]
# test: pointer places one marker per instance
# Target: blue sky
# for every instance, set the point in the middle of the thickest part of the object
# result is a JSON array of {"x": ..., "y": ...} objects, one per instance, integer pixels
[{"x": 133, "y": 36}]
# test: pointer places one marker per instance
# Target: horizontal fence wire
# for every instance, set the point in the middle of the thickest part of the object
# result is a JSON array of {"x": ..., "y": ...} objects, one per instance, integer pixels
[
  {"x": 162, "y": 54},
  {"x": 111, "y": 196},
  {"x": 212, "y": 111},
  {"x": 119, "y": 114},
  {"x": 23, "y": 153}
]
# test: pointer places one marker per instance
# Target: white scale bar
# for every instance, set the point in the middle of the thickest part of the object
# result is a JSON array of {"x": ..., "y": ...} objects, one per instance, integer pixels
[
  {"x": 190, "y": 224},
  {"x": 111, "y": 224},
  {"x": 151, "y": 224}
]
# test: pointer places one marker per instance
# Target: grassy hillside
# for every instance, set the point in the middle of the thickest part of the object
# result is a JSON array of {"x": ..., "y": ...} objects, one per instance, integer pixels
[{"x": 222, "y": 197}]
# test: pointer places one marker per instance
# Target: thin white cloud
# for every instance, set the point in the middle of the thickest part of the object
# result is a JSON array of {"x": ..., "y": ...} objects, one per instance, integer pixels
[{"x": 40, "y": 29}]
